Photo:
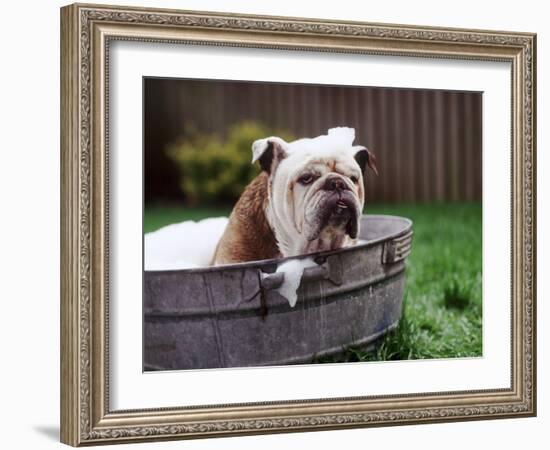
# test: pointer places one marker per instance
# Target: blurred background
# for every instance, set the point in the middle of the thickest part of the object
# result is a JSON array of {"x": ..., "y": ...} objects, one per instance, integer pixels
[{"x": 428, "y": 144}]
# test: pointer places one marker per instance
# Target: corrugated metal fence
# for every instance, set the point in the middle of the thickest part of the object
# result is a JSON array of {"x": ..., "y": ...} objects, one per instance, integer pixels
[{"x": 428, "y": 143}]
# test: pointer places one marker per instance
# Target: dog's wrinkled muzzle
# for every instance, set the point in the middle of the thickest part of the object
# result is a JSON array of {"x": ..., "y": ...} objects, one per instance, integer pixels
[{"x": 337, "y": 210}]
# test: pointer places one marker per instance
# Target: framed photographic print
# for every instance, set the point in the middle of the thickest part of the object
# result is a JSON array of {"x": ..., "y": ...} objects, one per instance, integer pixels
[{"x": 278, "y": 224}]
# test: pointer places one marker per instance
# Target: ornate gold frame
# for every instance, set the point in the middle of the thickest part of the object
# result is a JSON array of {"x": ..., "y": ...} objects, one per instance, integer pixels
[{"x": 86, "y": 31}]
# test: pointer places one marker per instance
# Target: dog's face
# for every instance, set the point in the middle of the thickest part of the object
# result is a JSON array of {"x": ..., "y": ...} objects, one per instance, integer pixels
[{"x": 316, "y": 190}]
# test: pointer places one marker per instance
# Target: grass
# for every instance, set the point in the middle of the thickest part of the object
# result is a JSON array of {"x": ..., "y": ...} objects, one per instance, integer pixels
[{"x": 442, "y": 311}]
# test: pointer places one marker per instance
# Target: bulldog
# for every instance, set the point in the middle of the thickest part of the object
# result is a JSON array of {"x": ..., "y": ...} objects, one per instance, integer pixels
[{"x": 308, "y": 198}]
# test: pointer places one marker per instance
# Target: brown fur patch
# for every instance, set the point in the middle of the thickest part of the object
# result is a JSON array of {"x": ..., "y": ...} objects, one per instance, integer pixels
[{"x": 248, "y": 236}]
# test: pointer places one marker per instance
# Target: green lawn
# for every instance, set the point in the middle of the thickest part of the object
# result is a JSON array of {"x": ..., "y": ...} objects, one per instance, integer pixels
[{"x": 442, "y": 305}]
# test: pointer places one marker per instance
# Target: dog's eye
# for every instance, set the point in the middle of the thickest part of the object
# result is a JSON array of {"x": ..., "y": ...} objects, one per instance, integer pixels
[
  {"x": 306, "y": 178},
  {"x": 354, "y": 180}
]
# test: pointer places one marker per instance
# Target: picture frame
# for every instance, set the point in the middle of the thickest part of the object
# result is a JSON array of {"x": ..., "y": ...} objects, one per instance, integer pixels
[{"x": 87, "y": 32}]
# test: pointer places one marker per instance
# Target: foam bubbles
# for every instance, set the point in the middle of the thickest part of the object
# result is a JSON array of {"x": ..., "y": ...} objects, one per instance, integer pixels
[
  {"x": 185, "y": 245},
  {"x": 293, "y": 270}
]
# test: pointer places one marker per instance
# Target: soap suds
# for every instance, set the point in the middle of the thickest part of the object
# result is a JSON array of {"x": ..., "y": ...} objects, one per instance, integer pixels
[
  {"x": 293, "y": 270},
  {"x": 185, "y": 245}
]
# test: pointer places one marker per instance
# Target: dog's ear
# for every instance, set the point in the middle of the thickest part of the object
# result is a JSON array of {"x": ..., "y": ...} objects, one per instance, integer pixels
[
  {"x": 269, "y": 152},
  {"x": 365, "y": 157}
]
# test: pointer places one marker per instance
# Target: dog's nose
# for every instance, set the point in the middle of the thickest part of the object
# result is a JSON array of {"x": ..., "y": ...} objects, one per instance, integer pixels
[{"x": 335, "y": 184}]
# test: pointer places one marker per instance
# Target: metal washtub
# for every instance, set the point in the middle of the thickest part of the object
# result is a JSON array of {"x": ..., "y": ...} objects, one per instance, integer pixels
[{"x": 231, "y": 316}]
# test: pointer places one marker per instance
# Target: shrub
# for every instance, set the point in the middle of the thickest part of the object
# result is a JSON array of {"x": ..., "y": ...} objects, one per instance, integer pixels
[{"x": 215, "y": 168}]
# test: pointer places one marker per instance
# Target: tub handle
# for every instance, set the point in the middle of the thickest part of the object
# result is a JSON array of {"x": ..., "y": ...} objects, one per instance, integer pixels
[
  {"x": 397, "y": 249},
  {"x": 330, "y": 269}
]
